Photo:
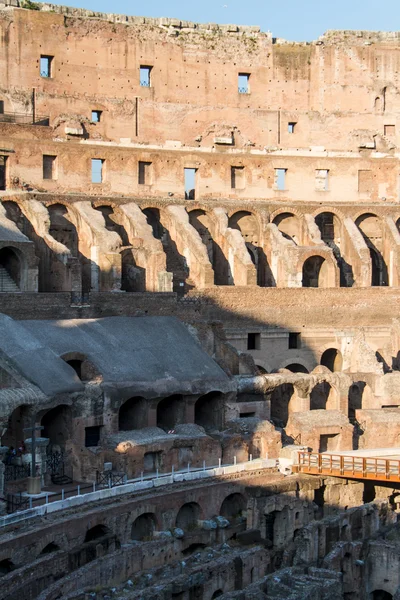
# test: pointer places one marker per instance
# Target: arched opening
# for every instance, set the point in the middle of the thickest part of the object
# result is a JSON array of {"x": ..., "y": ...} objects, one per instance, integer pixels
[
  {"x": 52, "y": 547},
  {"x": 133, "y": 414},
  {"x": 171, "y": 411},
  {"x": 143, "y": 527},
  {"x": 57, "y": 425},
  {"x": 217, "y": 594},
  {"x": 381, "y": 595},
  {"x": 76, "y": 364},
  {"x": 133, "y": 278},
  {"x": 6, "y": 566},
  {"x": 371, "y": 229},
  {"x": 176, "y": 263},
  {"x": 311, "y": 271},
  {"x": 330, "y": 228},
  {"x": 247, "y": 224},
  {"x": 10, "y": 271},
  {"x": 234, "y": 507},
  {"x": 261, "y": 370},
  {"x": 290, "y": 227},
  {"x": 188, "y": 516},
  {"x": 19, "y": 419},
  {"x": 208, "y": 411},
  {"x": 297, "y": 368},
  {"x": 359, "y": 393},
  {"x": 280, "y": 400},
  {"x": 201, "y": 221},
  {"x": 96, "y": 533},
  {"x": 323, "y": 397},
  {"x": 332, "y": 359},
  {"x": 83, "y": 367},
  {"x": 196, "y": 547}
]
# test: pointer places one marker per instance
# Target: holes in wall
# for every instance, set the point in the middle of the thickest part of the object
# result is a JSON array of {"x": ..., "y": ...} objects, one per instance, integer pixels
[
  {"x": 96, "y": 116},
  {"x": 46, "y": 65},
  {"x": 244, "y": 83},
  {"x": 97, "y": 170},
  {"x": 92, "y": 436},
  {"x": 291, "y": 126},
  {"x": 294, "y": 340},
  {"x": 280, "y": 179},
  {"x": 145, "y": 75},
  {"x": 190, "y": 183},
  {"x": 254, "y": 341},
  {"x": 49, "y": 166}
]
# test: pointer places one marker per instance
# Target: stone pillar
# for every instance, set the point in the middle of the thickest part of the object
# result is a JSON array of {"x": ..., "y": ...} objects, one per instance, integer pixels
[{"x": 40, "y": 458}]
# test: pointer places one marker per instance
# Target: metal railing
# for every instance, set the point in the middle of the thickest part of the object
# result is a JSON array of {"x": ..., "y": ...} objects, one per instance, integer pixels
[
  {"x": 110, "y": 479},
  {"x": 24, "y": 119},
  {"x": 354, "y": 467},
  {"x": 16, "y": 472}
]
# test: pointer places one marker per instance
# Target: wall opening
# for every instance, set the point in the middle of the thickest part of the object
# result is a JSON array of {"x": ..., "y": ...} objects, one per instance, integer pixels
[
  {"x": 190, "y": 183},
  {"x": 328, "y": 442},
  {"x": 6, "y": 566},
  {"x": 371, "y": 229},
  {"x": 171, "y": 411},
  {"x": 381, "y": 595},
  {"x": 203, "y": 224},
  {"x": 294, "y": 340},
  {"x": 3, "y": 172},
  {"x": 208, "y": 411},
  {"x": 152, "y": 461},
  {"x": 133, "y": 414},
  {"x": 323, "y": 397},
  {"x": 291, "y": 126},
  {"x": 98, "y": 170},
  {"x": 234, "y": 507},
  {"x": 52, "y": 547},
  {"x": 92, "y": 436},
  {"x": 49, "y": 166},
  {"x": 290, "y": 227},
  {"x": 96, "y": 116},
  {"x": 10, "y": 271},
  {"x": 188, "y": 516},
  {"x": 144, "y": 172},
  {"x": 244, "y": 83},
  {"x": 296, "y": 368},
  {"x": 143, "y": 527},
  {"x": 332, "y": 359},
  {"x": 46, "y": 65},
  {"x": 322, "y": 180},
  {"x": 254, "y": 341},
  {"x": 57, "y": 425},
  {"x": 238, "y": 181},
  {"x": 280, "y": 179},
  {"x": 145, "y": 75},
  {"x": 96, "y": 532},
  {"x": 311, "y": 271},
  {"x": 280, "y": 404}
]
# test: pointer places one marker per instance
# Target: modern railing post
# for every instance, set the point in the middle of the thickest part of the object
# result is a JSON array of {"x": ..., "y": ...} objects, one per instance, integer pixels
[
  {"x": 387, "y": 469},
  {"x": 341, "y": 465},
  {"x": 319, "y": 463}
]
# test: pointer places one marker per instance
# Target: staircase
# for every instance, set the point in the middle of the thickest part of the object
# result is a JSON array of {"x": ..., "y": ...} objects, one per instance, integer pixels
[{"x": 7, "y": 284}]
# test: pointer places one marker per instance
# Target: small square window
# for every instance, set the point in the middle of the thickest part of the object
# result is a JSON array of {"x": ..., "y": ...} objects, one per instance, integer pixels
[
  {"x": 145, "y": 76},
  {"x": 46, "y": 64},
  {"x": 244, "y": 83},
  {"x": 96, "y": 116},
  {"x": 237, "y": 178},
  {"x": 1, "y": 107},
  {"x": 97, "y": 170},
  {"x": 253, "y": 341},
  {"x": 49, "y": 167},
  {"x": 190, "y": 184},
  {"x": 144, "y": 173},
  {"x": 291, "y": 127},
  {"x": 322, "y": 180},
  {"x": 294, "y": 341},
  {"x": 280, "y": 179},
  {"x": 390, "y": 130}
]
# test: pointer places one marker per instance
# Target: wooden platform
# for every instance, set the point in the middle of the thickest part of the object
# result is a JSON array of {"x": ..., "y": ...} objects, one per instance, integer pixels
[{"x": 350, "y": 466}]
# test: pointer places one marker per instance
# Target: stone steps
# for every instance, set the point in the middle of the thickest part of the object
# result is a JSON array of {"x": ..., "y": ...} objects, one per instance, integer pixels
[{"x": 7, "y": 284}]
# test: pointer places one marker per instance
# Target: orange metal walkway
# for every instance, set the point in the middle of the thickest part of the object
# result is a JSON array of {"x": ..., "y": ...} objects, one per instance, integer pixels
[{"x": 350, "y": 467}]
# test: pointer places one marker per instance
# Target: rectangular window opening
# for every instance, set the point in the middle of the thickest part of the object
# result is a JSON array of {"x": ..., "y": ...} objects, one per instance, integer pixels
[
  {"x": 322, "y": 180},
  {"x": 254, "y": 341},
  {"x": 1, "y": 107},
  {"x": 244, "y": 83},
  {"x": 280, "y": 179},
  {"x": 144, "y": 173},
  {"x": 291, "y": 127},
  {"x": 49, "y": 167},
  {"x": 92, "y": 436},
  {"x": 247, "y": 415},
  {"x": 365, "y": 181},
  {"x": 145, "y": 76},
  {"x": 3, "y": 174},
  {"x": 237, "y": 178},
  {"x": 96, "y": 116},
  {"x": 294, "y": 340},
  {"x": 190, "y": 184},
  {"x": 46, "y": 63},
  {"x": 97, "y": 170},
  {"x": 390, "y": 130}
]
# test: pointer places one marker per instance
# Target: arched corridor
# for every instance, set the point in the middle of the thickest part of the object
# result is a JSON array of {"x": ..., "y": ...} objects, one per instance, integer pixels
[
  {"x": 201, "y": 221},
  {"x": 312, "y": 269},
  {"x": 133, "y": 414},
  {"x": 57, "y": 425},
  {"x": 332, "y": 359},
  {"x": 208, "y": 411},
  {"x": 371, "y": 228},
  {"x": 171, "y": 411},
  {"x": 143, "y": 527},
  {"x": 188, "y": 516},
  {"x": 234, "y": 506}
]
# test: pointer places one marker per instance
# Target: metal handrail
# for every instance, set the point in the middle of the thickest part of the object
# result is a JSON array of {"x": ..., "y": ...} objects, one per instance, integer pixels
[
  {"x": 358, "y": 467},
  {"x": 24, "y": 119}
]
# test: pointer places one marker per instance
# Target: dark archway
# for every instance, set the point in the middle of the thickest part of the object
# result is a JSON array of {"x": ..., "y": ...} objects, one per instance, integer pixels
[
  {"x": 171, "y": 411},
  {"x": 311, "y": 271},
  {"x": 332, "y": 359},
  {"x": 208, "y": 411},
  {"x": 371, "y": 228},
  {"x": 52, "y": 547},
  {"x": 83, "y": 367},
  {"x": 321, "y": 396},
  {"x": 356, "y": 392},
  {"x": 381, "y": 595},
  {"x": 188, "y": 516},
  {"x": 297, "y": 368},
  {"x": 96, "y": 533},
  {"x": 57, "y": 425},
  {"x": 233, "y": 506},
  {"x": 19, "y": 419},
  {"x": 280, "y": 400},
  {"x": 10, "y": 270},
  {"x": 143, "y": 527},
  {"x": 201, "y": 221},
  {"x": 330, "y": 228},
  {"x": 217, "y": 594},
  {"x": 133, "y": 414},
  {"x": 6, "y": 566}
]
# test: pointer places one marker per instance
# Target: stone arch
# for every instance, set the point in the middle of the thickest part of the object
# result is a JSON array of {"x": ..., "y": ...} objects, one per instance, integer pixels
[
  {"x": 217, "y": 594},
  {"x": 133, "y": 414},
  {"x": 57, "y": 425},
  {"x": 143, "y": 527},
  {"x": 248, "y": 224},
  {"x": 175, "y": 262},
  {"x": 332, "y": 359},
  {"x": 6, "y": 566},
  {"x": 280, "y": 403},
  {"x": 312, "y": 271},
  {"x": 372, "y": 230},
  {"x": 234, "y": 506},
  {"x": 49, "y": 548},
  {"x": 133, "y": 278},
  {"x": 360, "y": 397},
  {"x": 83, "y": 367},
  {"x": 290, "y": 226},
  {"x": 330, "y": 226},
  {"x": 11, "y": 269},
  {"x": 188, "y": 516},
  {"x": 171, "y": 411},
  {"x": 19, "y": 419},
  {"x": 381, "y": 595},
  {"x": 261, "y": 370},
  {"x": 324, "y": 397},
  {"x": 202, "y": 222},
  {"x": 329, "y": 209},
  {"x": 208, "y": 411},
  {"x": 307, "y": 366},
  {"x": 297, "y": 368},
  {"x": 97, "y": 532}
]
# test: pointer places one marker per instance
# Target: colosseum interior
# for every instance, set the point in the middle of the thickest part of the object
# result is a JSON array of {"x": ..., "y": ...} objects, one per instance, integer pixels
[{"x": 199, "y": 297}]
